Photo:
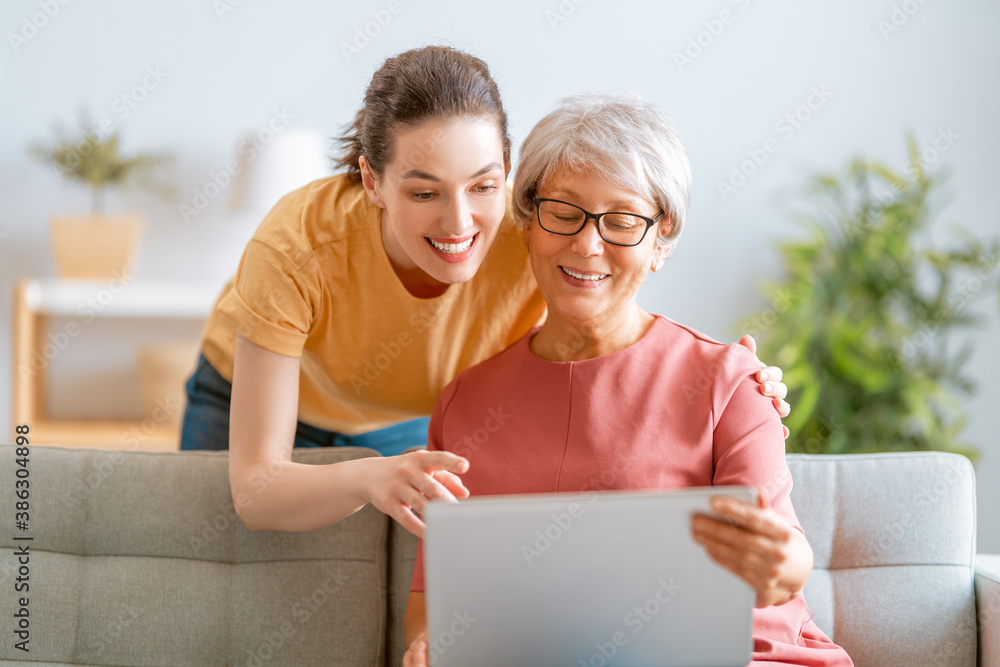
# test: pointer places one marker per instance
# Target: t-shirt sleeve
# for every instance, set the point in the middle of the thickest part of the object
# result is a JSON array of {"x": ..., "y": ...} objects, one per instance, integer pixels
[
  {"x": 435, "y": 442},
  {"x": 272, "y": 302},
  {"x": 749, "y": 445}
]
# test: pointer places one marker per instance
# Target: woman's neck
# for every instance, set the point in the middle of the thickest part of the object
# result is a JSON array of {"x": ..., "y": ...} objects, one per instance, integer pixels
[
  {"x": 561, "y": 339},
  {"x": 418, "y": 283}
]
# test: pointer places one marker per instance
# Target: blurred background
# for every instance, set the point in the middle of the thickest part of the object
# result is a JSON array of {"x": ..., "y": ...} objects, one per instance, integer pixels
[{"x": 244, "y": 96}]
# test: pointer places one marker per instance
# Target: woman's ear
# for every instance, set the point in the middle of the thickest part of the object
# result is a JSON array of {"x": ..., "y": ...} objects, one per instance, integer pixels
[
  {"x": 526, "y": 235},
  {"x": 660, "y": 254},
  {"x": 370, "y": 182}
]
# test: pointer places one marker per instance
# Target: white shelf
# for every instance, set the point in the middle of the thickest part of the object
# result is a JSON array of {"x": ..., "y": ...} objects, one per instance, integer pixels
[
  {"x": 37, "y": 299},
  {"x": 114, "y": 298}
]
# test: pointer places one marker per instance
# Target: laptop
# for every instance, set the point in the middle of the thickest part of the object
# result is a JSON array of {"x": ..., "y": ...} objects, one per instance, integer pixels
[{"x": 582, "y": 580}]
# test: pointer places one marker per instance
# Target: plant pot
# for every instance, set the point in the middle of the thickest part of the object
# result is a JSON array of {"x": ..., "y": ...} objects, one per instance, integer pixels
[{"x": 94, "y": 246}]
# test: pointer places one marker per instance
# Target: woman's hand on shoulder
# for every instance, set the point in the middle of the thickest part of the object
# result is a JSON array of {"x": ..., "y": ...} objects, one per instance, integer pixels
[
  {"x": 771, "y": 385},
  {"x": 404, "y": 484},
  {"x": 758, "y": 545}
]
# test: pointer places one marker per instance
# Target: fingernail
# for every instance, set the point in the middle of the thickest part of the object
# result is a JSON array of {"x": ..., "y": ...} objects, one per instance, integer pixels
[
  {"x": 763, "y": 376},
  {"x": 768, "y": 386}
]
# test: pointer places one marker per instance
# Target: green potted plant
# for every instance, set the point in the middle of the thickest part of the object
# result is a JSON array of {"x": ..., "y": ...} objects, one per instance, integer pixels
[
  {"x": 864, "y": 322},
  {"x": 98, "y": 244}
]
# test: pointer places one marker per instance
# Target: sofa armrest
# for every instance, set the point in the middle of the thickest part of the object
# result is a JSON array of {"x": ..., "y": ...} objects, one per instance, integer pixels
[{"x": 988, "y": 608}]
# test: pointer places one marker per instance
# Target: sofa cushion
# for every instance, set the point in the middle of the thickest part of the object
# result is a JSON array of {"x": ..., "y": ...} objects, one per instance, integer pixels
[
  {"x": 139, "y": 558},
  {"x": 894, "y": 541}
]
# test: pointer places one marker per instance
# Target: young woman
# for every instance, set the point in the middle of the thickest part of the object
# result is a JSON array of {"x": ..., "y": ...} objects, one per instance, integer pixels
[{"x": 361, "y": 296}]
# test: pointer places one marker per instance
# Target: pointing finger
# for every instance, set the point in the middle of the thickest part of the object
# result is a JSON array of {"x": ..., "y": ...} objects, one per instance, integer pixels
[{"x": 445, "y": 461}]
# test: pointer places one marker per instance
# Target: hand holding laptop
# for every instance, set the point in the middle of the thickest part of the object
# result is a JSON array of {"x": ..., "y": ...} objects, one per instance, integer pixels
[{"x": 758, "y": 545}]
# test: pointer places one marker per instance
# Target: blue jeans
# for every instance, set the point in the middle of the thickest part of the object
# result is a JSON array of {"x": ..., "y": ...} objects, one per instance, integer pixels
[{"x": 206, "y": 421}]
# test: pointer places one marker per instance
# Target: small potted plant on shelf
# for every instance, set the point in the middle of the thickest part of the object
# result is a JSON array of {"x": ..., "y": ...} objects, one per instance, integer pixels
[{"x": 97, "y": 245}]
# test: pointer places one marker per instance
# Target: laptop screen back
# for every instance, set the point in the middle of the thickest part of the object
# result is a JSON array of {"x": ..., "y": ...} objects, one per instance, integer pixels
[{"x": 581, "y": 579}]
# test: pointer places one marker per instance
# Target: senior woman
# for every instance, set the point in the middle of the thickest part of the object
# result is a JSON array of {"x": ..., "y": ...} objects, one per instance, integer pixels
[{"x": 602, "y": 389}]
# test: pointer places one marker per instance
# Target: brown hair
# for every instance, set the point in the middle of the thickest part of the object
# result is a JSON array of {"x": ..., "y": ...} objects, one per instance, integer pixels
[{"x": 433, "y": 82}]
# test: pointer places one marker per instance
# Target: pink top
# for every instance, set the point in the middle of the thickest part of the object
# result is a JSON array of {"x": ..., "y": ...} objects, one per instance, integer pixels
[{"x": 675, "y": 409}]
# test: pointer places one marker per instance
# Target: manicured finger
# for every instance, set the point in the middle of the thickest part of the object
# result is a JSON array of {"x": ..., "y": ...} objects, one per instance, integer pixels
[
  {"x": 749, "y": 343},
  {"x": 772, "y": 373},
  {"x": 750, "y": 565},
  {"x": 710, "y": 529},
  {"x": 413, "y": 498},
  {"x": 452, "y": 482},
  {"x": 417, "y": 651},
  {"x": 706, "y": 529},
  {"x": 432, "y": 489},
  {"x": 783, "y": 409},
  {"x": 417, "y": 654},
  {"x": 703, "y": 524},
  {"x": 433, "y": 461},
  {"x": 752, "y": 546},
  {"x": 774, "y": 389},
  {"x": 753, "y": 519},
  {"x": 408, "y": 520},
  {"x": 744, "y": 553},
  {"x": 784, "y": 429},
  {"x": 733, "y": 511},
  {"x": 763, "y": 501}
]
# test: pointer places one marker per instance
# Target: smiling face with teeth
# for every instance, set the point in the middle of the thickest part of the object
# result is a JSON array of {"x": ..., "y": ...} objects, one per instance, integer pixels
[
  {"x": 443, "y": 198},
  {"x": 590, "y": 285}
]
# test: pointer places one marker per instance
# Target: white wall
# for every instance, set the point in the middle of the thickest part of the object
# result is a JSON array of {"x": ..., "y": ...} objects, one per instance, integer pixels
[{"x": 224, "y": 73}]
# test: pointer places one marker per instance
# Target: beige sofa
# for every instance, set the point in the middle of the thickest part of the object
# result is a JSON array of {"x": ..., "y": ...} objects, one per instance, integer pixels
[{"x": 139, "y": 559}]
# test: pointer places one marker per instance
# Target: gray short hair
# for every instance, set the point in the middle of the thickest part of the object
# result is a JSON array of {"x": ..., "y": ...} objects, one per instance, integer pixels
[{"x": 624, "y": 139}]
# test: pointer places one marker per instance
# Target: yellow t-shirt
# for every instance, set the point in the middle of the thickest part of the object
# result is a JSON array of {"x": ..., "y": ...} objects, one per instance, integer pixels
[{"x": 314, "y": 282}]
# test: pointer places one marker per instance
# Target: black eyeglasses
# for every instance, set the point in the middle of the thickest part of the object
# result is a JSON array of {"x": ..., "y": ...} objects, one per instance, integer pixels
[{"x": 564, "y": 219}]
